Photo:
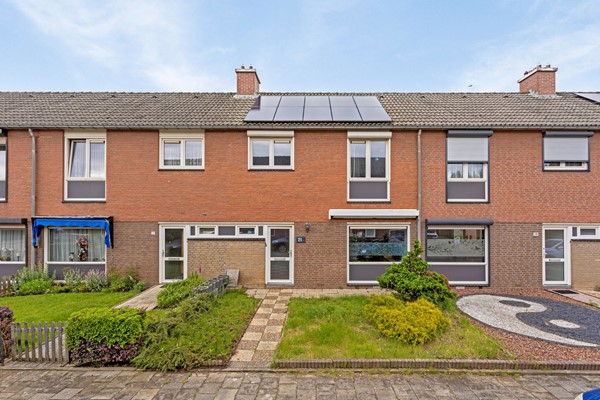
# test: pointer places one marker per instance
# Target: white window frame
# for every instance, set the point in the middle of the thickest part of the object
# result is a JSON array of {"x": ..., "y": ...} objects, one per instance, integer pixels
[
  {"x": 4, "y": 176},
  {"x": 272, "y": 137},
  {"x": 564, "y": 167},
  {"x": 181, "y": 137},
  {"x": 237, "y": 234},
  {"x": 466, "y": 178},
  {"x": 89, "y": 137},
  {"x": 368, "y": 137},
  {"x": 366, "y": 227},
  {"x": 486, "y": 262},
  {"x": 23, "y": 256},
  {"x": 75, "y": 264}
]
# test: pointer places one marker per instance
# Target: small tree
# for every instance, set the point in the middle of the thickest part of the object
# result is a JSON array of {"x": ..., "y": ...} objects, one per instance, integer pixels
[{"x": 412, "y": 281}]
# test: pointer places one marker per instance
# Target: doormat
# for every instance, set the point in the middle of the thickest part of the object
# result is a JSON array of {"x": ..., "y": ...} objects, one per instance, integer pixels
[{"x": 564, "y": 291}]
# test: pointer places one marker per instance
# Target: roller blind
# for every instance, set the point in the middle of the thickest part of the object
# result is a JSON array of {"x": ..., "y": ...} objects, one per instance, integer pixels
[
  {"x": 566, "y": 149},
  {"x": 467, "y": 149}
]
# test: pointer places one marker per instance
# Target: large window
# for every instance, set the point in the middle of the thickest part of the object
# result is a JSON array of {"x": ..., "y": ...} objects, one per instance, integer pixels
[
  {"x": 372, "y": 249},
  {"x": 368, "y": 166},
  {"x": 459, "y": 252},
  {"x": 566, "y": 151},
  {"x": 12, "y": 249},
  {"x": 181, "y": 151},
  {"x": 85, "y": 166},
  {"x": 270, "y": 150},
  {"x": 467, "y": 166},
  {"x": 2, "y": 168},
  {"x": 76, "y": 245}
]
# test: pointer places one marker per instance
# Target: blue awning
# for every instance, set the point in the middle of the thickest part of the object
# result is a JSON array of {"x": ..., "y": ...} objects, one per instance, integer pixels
[{"x": 40, "y": 223}]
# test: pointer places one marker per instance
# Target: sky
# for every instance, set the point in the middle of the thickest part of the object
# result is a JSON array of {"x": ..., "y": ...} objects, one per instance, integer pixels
[{"x": 296, "y": 45}]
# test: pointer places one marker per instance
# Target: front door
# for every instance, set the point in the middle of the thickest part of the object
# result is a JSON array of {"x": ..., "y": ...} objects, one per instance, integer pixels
[
  {"x": 172, "y": 253},
  {"x": 556, "y": 257},
  {"x": 280, "y": 260}
]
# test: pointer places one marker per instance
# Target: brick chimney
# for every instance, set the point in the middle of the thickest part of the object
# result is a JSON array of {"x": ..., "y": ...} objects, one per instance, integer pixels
[
  {"x": 248, "y": 83},
  {"x": 541, "y": 80}
]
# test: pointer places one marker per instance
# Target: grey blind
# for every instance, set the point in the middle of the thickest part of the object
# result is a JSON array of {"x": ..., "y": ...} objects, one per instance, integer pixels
[
  {"x": 462, "y": 149},
  {"x": 566, "y": 149}
]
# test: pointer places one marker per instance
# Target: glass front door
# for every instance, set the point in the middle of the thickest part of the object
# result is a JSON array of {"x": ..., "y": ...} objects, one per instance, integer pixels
[
  {"x": 280, "y": 263},
  {"x": 172, "y": 253},
  {"x": 556, "y": 257}
]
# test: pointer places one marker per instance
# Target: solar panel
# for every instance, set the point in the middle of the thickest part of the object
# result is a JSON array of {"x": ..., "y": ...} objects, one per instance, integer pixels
[
  {"x": 292, "y": 108},
  {"x": 590, "y": 96}
]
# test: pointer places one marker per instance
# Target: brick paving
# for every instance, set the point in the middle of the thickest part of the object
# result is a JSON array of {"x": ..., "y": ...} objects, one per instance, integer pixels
[
  {"x": 147, "y": 299},
  {"x": 123, "y": 384}
]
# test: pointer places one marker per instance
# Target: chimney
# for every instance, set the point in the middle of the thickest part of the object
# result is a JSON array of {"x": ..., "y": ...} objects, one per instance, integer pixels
[
  {"x": 541, "y": 80},
  {"x": 248, "y": 83}
]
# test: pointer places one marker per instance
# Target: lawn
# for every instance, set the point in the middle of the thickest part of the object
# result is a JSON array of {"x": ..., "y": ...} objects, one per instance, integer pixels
[
  {"x": 329, "y": 328},
  {"x": 59, "y": 306}
]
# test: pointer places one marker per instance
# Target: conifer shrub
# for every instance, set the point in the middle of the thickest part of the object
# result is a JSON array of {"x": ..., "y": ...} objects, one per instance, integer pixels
[{"x": 6, "y": 319}]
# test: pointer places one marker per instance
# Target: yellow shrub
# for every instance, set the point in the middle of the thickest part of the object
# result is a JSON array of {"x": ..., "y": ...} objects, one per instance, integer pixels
[{"x": 413, "y": 323}]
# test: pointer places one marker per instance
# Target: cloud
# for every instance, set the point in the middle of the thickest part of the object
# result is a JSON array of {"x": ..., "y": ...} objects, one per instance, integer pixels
[
  {"x": 140, "y": 38},
  {"x": 565, "y": 36}
]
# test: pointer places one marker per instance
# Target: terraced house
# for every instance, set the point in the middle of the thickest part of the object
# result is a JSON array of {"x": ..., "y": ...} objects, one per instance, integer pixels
[{"x": 305, "y": 189}]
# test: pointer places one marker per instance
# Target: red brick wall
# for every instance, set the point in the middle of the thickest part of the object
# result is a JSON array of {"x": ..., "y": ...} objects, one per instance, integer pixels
[{"x": 247, "y": 82}]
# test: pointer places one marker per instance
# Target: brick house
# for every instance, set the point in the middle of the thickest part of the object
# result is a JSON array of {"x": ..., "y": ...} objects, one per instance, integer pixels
[{"x": 305, "y": 189}]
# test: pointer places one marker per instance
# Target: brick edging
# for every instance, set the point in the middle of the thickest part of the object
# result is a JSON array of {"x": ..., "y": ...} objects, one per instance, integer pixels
[{"x": 513, "y": 365}]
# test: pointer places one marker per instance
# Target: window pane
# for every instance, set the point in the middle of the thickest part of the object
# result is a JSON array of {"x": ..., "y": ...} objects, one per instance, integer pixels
[
  {"x": 455, "y": 171},
  {"x": 377, "y": 245},
  {"x": 243, "y": 230},
  {"x": 77, "y": 161},
  {"x": 76, "y": 245},
  {"x": 2, "y": 163},
  {"x": 174, "y": 242},
  {"x": 171, "y": 153},
  {"x": 193, "y": 152},
  {"x": 12, "y": 245},
  {"x": 358, "y": 154},
  {"x": 97, "y": 160},
  {"x": 260, "y": 152},
  {"x": 456, "y": 245},
  {"x": 588, "y": 231},
  {"x": 283, "y": 153},
  {"x": 378, "y": 159},
  {"x": 475, "y": 170},
  {"x": 206, "y": 230}
]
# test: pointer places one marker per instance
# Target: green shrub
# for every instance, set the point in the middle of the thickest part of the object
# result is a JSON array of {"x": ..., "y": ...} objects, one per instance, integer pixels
[
  {"x": 6, "y": 320},
  {"x": 74, "y": 280},
  {"x": 103, "y": 336},
  {"x": 411, "y": 280},
  {"x": 37, "y": 286},
  {"x": 31, "y": 281},
  {"x": 413, "y": 323},
  {"x": 95, "y": 280},
  {"x": 124, "y": 282},
  {"x": 175, "y": 292}
]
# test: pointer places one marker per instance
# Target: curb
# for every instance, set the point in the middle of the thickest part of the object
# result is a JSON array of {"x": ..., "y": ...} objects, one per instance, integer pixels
[{"x": 506, "y": 365}]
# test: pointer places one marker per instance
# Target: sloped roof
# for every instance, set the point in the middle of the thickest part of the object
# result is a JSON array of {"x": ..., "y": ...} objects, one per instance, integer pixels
[{"x": 226, "y": 110}]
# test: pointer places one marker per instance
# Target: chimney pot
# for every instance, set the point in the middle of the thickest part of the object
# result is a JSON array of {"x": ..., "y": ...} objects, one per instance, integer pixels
[{"x": 541, "y": 80}]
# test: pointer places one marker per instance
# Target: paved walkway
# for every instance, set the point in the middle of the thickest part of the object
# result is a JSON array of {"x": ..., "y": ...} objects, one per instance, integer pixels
[
  {"x": 146, "y": 299},
  {"x": 87, "y": 383}
]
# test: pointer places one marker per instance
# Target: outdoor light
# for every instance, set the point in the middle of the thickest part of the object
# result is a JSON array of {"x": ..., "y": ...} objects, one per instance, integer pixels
[{"x": 307, "y": 227}]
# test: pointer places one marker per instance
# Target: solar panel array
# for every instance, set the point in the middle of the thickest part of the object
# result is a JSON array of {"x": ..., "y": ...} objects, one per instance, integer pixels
[
  {"x": 317, "y": 109},
  {"x": 591, "y": 96}
]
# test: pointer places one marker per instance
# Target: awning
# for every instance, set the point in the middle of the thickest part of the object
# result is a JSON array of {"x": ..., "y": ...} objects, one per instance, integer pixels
[
  {"x": 66, "y": 222},
  {"x": 370, "y": 213}
]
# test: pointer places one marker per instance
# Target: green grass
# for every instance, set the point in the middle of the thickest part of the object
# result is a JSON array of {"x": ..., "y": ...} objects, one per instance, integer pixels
[
  {"x": 59, "y": 306},
  {"x": 335, "y": 328}
]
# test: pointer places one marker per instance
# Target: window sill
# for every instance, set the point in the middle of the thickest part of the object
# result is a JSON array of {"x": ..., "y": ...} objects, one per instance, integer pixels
[
  {"x": 467, "y": 201},
  {"x": 370, "y": 201},
  {"x": 181, "y": 169},
  {"x": 84, "y": 201},
  {"x": 270, "y": 169}
]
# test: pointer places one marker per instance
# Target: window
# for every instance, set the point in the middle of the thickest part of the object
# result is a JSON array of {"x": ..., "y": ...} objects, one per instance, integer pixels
[
  {"x": 85, "y": 166},
  {"x": 12, "y": 249},
  {"x": 458, "y": 252},
  {"x": 181, "y": 150},
  {"x": 467, "y": 166},
  {"x": 226, "y": 231},
  {"x": 368, "y": 166},
  {"x": 566, "y": 151},
  {"x": 371, "y": 250},
  {"x": 76, "y": 245},
  {"x": 2, "y": 168},
  {"x": 270, "y": 150}
]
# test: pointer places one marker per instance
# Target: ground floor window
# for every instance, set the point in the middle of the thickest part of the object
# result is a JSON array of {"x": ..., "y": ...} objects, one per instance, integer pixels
[
  {"x": 460, "y": 253},
  {"x": 12, "y": 250},
  {"x": 372, "y": 249},
  {"x": 83, "y": 249}
]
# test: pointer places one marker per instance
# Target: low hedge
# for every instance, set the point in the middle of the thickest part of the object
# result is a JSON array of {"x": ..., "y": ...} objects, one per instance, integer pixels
[
  {"x": 103, "y": 336},
  {"x": 175, "y": 292},
  {"x": 6, "y": 319}
]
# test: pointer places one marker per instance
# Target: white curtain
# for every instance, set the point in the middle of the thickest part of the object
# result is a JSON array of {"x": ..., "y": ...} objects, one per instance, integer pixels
[
  {"x": 358, "y": 154},
  {"x": 2, "y": 163},
  {"x": 63, "y": 244},
  {"x": 12, "y": 244},
  {"x": 77, "y": 169},
  {"x": 97, "y": 160},
  {"x": 171, "y": 153},
  {"x": 193, "y": 152}
]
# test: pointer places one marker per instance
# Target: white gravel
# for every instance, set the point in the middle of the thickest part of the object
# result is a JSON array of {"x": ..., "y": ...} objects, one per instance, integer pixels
[{"x": 488, "y": 309}]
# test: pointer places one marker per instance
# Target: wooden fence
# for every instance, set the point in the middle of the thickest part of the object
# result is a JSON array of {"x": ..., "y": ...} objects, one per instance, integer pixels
[
  {"x": 5, "y": 285},
  {"x": 39, "y": 342}
]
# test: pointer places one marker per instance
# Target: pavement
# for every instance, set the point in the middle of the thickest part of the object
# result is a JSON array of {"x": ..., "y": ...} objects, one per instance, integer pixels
[
  {"x": 147, "y": 299},
  {"x": 106, "y": 383}
]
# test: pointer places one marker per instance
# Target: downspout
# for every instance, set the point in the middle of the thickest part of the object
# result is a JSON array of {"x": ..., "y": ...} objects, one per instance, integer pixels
[
  {"x": 33, "y": 184},
  {"x": 419, "y": 195}
]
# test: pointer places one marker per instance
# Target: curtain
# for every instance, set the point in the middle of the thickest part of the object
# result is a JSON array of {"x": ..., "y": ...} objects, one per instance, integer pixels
[
  {"x": 193, "y": 152},
  {"x": 97, "y": 160},
  {"x": 64, "y": 244},
  {"x": 12, "y": 244},
  {"x": 77, "y": 159},
  {"x": 358, "y": 154},
  {"x": 171, "y": 153},
  {"x": 2, "y": 163}
]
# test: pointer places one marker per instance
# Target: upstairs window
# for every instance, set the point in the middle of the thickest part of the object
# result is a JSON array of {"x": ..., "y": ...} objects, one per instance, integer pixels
[
  {"x": 566, "y": 151},
  {"x": 270, "y": 150},
  {"x": 2, "y": 168},
  {"x": 467, "y": 166},
  {"x": 181, "y": 150},
  {"x": 85, "y": 166},
  {"x": 368, "y": 166}
]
